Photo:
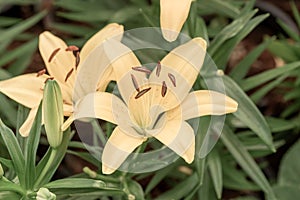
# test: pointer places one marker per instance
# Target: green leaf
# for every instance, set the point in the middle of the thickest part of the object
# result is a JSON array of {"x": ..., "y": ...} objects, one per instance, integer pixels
[
  {"x": 284, "y": 50},
  {"x": 284, "y": 192},
  {"x": 158, "y": 177},
  {"x": 248, "y": 113},
  {"x": 259, "y": 94},
  {"x": 15, "y": 30},
  {"x": 263, "y": 77},
  {"x": 288, "y": 171},
  {"x": 222, "y": 54},
  {"x": 92, "y": 16},
  {"x": 215, "y": 168},
  {"x": 241, "y": 69},
  {"x": 292, "y": 34},
  {"x": 244, "y": 159},
  {"x": 31, "y": 149},
  {"x": 124, "y": 14},
  {"x": 229, "y": 31},
  {"x": 9, "y": 186},
  {"x": 14, "y": 150},
  {"x": 279, "y": 125},
  {"x": 75, "y": 183},
  {"x": 221, "y": 7},
  {"x": 295, "y": 12},
  {"x": 136, "y": 190},
  {"x": 8, "y": 110},
  {"x": 182, "y": 189},
  {"x": 8, "y": 21},
  {"x": 81, "y": 31}
]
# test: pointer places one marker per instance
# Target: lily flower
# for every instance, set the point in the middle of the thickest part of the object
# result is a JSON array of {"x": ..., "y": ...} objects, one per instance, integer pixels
[
  {"x": 62, "y": 63},
  {"x": 173, "y": 14},
  {"x": 153, "y": 103}
]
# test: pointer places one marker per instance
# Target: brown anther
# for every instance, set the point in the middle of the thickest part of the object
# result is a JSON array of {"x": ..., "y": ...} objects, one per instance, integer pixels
[
  {"x": 72, "y": 48},
  {"x": 41, "y": 72},
  {"x": 172, "y": 79},
  {"x": 53, "y": 54},
  {"x": 135, "y": 83},
  {"x": 49, "y": 78},
  {"x": 142, "y": 92},
  {"x": 142, "y": 69},
  {"x": 69, "y": 74},
  {"x": 158, "y": 69},
  {"x": 164, "y": 89},
  {"x": 77, "y": 59}
]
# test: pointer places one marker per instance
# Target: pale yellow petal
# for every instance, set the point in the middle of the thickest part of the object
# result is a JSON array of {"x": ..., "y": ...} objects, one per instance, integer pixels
[
  {"x": 112, "y": 30},
  {"x": 103, "y": 106},
  {"x": 25, "y": 89},
  {"x": 122, "y": 60},
  {"x": 178, "y": 136},
  {"x": 207, "y": 102},
  {"x": 62, "y": 62},
  {"x": 117, "y": 149},
  {"x": 68, "y": 109},
  {"x": 179, "y": 69},
  {"x": 26, "y": 126},
  {"x": 173, "y": 14},
  {"x": 94, "y": 73}
]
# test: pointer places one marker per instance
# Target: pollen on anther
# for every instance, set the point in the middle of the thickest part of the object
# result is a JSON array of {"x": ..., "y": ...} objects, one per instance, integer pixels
[
  {"x": 53, "y": 54},
  {"x": 164, "y": 89},
  {"x": 135, "y": 83},
  {"x": 142, "y": 92},
  {"x": 41, "y": 72},
  {"x": 158, "y": 69},
  {"x": 172, "y": 79},
  {"x": 69, "y": 74}
]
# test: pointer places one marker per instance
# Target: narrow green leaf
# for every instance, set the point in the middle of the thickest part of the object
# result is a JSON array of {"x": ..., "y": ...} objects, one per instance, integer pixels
[
  {"x": 31, "y": 149},
  {"x": 7, "y": 163},
  {"x": 222, "y": 54},
  {"x": 286, "y": 192},
  {"x": 9, "y": 186},
  {"x": 288, "y": 175},
  {"x": 81, "y": 31},
  {"x": 8, "y": 110},
  {"x": 248, "y": 113},
  {"x": 259, "y": 94},
  {"x": 241, "y": 69},
  {"x": 8, "y": 21},
  {"x": 221, "y": 7},
  {"x": 279, "y": 125},
  {"x": 181, "y": 189},
  {"x": 158, "y": 177},
  {"x": 229, "y": 31},
  {"x": 92, "y": 16},
  {"x": 245, "y": 160},
  {"x": 75, "y": 183},
  {"x": 284, "y": 50},
  {"x": 15, "y": 30},
  {"x": 215, "y": 168},
  {"x": 14, "y": 150},
  {"x": 206, "y": 191},
  {"x": 136, "y": 190},
  {"x": 291, "y": 33},
  {"x": 295, "y": 12},
  {"x": 264, "y": 77}
]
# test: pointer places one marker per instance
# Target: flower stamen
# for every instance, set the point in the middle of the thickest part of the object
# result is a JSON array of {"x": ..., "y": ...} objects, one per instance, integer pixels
[
  {"x": 53, "y": 54},
  {"x": 69, "y": 74},
  {"x": 164, "y": 89},
  {"x": 158, "y": 69},
  {"x": 77, "y": 59},
  {"x": 41, "y": 72},
  {"x": 72, "y": 48},
  {"x": 172, "y": 79},
  {"x": 141, "y": 93},
  {"x": 142, "y": 69},
  {"x": 135, "y": 83}
]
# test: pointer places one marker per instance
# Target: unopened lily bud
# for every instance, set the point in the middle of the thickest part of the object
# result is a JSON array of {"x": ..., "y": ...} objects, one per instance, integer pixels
[
  {"x": 53, "y": 112},
  {"x": 45, "y": 194},
  {"x": 1, "y": 171}
]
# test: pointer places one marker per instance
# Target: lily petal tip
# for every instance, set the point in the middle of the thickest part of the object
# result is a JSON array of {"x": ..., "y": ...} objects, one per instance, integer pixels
[
  {"x": 107, "y": 170},
  {"x": 170, "y": 35}
]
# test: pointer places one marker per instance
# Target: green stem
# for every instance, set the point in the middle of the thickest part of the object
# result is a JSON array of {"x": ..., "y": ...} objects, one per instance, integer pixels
[{"x": 46, "y": 168}]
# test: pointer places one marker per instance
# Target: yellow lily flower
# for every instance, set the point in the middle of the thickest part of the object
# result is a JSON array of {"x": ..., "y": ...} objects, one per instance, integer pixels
[
  {"x": 157, "y": 106},
  {"x": 62, "y": 63},
  {"x": 173, "y": 14}
]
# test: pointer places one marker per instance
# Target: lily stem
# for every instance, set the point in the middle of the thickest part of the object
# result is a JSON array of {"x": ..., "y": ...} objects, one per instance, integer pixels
[{"x": 46, "y": 168}]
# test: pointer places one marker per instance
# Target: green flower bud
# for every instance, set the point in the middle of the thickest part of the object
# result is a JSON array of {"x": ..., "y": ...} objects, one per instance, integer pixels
[
  {"x": 45, "y": 194},
  {"x": 1, "y": 171},
  {"x": 53, "y": 112}
]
